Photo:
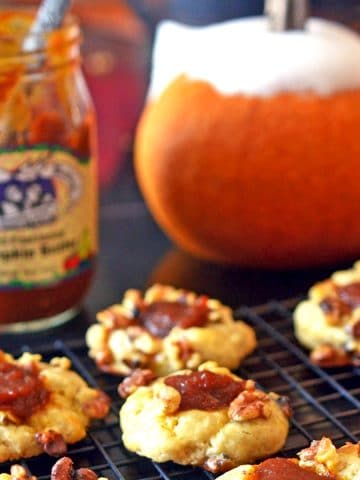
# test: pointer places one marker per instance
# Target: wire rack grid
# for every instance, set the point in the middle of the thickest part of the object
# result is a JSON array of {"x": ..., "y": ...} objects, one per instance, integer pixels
[{"x": 324, "y": 402}]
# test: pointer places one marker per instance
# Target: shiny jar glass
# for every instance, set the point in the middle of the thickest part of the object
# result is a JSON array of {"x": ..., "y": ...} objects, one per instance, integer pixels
[{"x": 48, "y": 185}]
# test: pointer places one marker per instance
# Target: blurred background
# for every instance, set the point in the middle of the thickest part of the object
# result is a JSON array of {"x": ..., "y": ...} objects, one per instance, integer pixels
[
  {"x": 118, "y": 38},
  {"x": 117, "y": 55}
]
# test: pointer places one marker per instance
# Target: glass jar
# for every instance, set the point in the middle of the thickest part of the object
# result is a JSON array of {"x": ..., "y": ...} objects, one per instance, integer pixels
[{"x": 48, "y": 187}]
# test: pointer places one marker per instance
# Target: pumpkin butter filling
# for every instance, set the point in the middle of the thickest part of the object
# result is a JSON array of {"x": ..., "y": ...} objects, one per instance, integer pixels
[{"x": 22, "y": 391}]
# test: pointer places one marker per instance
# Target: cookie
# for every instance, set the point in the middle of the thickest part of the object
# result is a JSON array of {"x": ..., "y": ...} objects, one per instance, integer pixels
[
  {"x": 167, "y": 330},
  {"x": 209, "y": 417},
  {"x": 328, "y": 322},
  {"x": 62, "y": 470},
  {"x": 318, "y": 462},
  {"x": 43, "y": 406}
]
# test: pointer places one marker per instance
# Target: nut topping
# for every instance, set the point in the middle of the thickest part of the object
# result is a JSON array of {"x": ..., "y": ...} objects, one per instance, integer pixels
[
  {"x": 355, "y": 331},
  {"x": 84, "y": 474},
  {"x": 115, "y": 317},
  {"x": 185, "y": 349},
  {"x": 285, "y": 406},
  {"x": 335, "y": 310},
  {"x": 51, "y": 442},
  {"x": 218, "y": 464},
  {"x": 18, "y": 472},
  {"x": 329, "y": 356},
  {"x": 138, "y": 378},
  {"x": 64, "y": 470},
  {"x": 97, "y": 407},
  {"x": 249, "y": 405}
]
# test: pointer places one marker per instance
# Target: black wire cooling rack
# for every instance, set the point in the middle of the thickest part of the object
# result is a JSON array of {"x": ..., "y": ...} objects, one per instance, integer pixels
[{"x": 324, "y": 402}]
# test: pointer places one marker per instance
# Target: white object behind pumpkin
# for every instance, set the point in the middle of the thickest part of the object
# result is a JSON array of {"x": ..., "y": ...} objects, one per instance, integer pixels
[{"x": 244, "y": 56}]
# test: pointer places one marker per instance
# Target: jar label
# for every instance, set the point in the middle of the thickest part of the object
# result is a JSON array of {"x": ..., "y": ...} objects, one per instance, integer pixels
[{"x": 48, "y": 216}]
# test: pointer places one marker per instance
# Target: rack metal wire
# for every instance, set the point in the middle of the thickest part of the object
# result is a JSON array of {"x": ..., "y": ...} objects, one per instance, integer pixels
[{"x": 325, "y": 402}]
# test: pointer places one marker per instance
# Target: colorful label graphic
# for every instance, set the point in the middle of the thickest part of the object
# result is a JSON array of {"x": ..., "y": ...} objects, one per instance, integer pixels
[{"x": 48, "y": 216}]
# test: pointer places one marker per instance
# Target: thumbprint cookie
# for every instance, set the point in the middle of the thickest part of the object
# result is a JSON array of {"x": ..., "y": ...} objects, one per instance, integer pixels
[
  {"x": 208, "y": 417},
  {"x": 328, "y": 322},
  {"x": 321, "y": 461},
  {"x": 63, "y": 469},
  {"x": 43, "y": 406},
  {"x": 166, "y": 330}
]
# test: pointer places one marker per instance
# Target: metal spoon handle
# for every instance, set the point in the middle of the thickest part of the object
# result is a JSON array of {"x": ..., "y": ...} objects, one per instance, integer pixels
[
  {"x": 49, "y": 17},
  {"x": 287, "y": 14}
]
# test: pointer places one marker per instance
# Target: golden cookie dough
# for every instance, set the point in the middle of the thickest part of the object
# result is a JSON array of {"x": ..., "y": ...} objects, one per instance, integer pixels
[
  {"x": 62, "y": 470},
  {"x": 321, "y": 458},
  {"x": 119, "y": 343},
  {"x": 328, "y": 322},
  {"x": 250, "y": 426},
  {"x": 53, "y": 414}
]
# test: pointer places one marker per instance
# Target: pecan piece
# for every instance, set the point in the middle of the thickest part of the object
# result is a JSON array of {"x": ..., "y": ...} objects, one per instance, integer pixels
[
  {"x": 18, "y": 472},
  {"x": 248, "y": 405},
  {"x": 104, "y": 358},
  {"x": 329, "y": 356},
  {"x": 335, "y": 309},
  {"x": 63, "y": 469},
  {"x": 185, "y": 349},
  {"x": 285, "y": 406},
  {"x": 112, "y": 319},
  {"x": 355, "y": 330},
  {"x": 85, "y": 474},
  {"x": 137, "y": 379},
  {"x": 97, "y": 407},
  {"x": 218, "y": 464},
  {"x": 52, "y": 442}
]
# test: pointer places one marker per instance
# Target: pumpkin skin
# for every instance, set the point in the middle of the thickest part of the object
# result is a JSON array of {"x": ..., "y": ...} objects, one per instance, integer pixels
[{"x": 255, "y": 181}]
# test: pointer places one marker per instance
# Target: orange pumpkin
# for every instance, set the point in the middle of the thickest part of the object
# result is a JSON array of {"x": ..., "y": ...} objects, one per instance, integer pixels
[{"x": 271, "y": 181}]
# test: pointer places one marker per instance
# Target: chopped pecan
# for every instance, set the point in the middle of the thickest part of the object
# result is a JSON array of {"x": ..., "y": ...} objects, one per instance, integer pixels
[
  {"x": 329, "y": 356},
  {"x": 321, "y": 455},
  {"x": 51, "y": 442},
  {"x": 218, "y": 464},
  {"x": 113, "y": 368},
  {"x": 169, "y": 397},
  {"x": 309, "y": 454},
  {"x": 85, "y": 474},
  {"x": 248, "y": 405},
  {"x": 285, "y": 406},
  {"x": 335, "y": 309},
  {"x": 136, "y": 331},
  {"x": 185, "y": 349},
  {"x": 355, "y": 330},
  {"x": 18, "y": 472},
  {"x": 250, "y": 385},
  {"x": 133, "y": 363},
  {"x": 113, "y": 319},
  {"x": 104, "y": 357},
  {"x": 98, "y": 406},
  {"x": 137, "y": 379},
  {"x": 64, "y": 470}
]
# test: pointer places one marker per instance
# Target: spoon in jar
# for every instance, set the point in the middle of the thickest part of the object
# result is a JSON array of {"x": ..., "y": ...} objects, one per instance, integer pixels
[
  {"x": 49, "y": 17},
  {"x": 287, "y": 14}
]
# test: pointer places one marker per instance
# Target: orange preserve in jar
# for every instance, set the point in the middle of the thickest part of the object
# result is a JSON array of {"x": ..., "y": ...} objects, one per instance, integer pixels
[{"x": 48, "y": 188}]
